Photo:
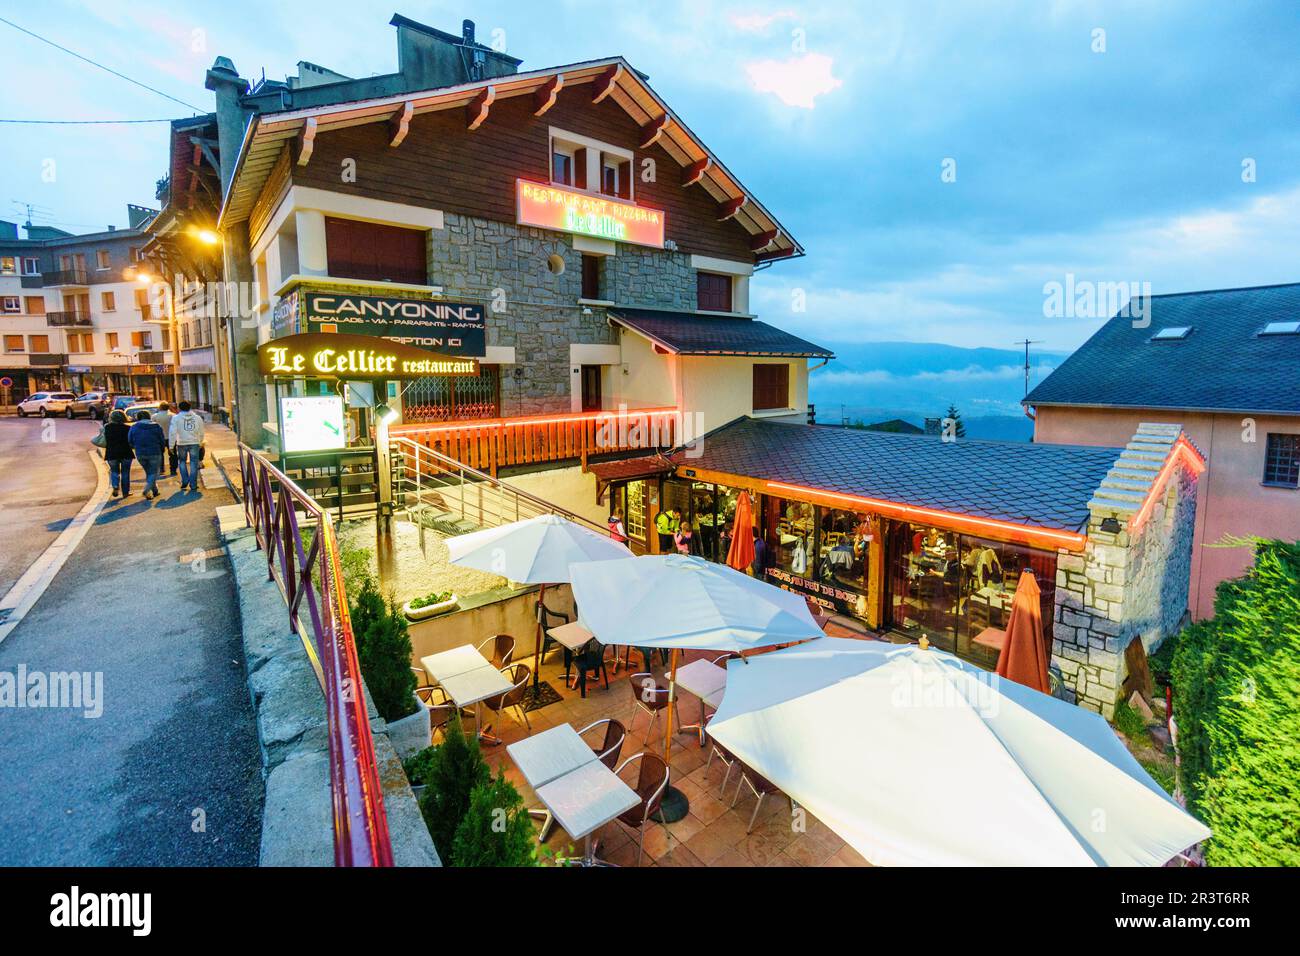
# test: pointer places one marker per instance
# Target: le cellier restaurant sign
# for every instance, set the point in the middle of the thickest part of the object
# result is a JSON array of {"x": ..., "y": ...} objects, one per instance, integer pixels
[
  {"x": 448, "y": 328},
  {"x": 354, "y": 357}
]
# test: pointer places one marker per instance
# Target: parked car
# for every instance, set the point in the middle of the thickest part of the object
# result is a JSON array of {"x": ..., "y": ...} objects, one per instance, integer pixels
[
  {"x": 122, "y": 402},
  {"x": 92, "y": 404},
  {"x": 151, "y": 407},
  {"x": 45, "y": 404}
]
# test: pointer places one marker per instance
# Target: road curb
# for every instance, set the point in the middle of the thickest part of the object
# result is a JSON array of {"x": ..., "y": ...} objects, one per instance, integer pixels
[{"x": 27, "y": 590}]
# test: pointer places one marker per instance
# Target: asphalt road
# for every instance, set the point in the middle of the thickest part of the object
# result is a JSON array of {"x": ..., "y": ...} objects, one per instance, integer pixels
[
  {"x": 169, "y": 773},
  {"x": 45, "y": 478}
]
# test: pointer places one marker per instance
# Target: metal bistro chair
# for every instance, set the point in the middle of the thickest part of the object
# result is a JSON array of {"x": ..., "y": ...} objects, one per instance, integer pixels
[
  {"x": 519, "y": 676},
  {"x": 503, "y": 649},
  {"x": 760, "y": 787},
  {"x": 650, "y": 698},
  {"x": 441, "y": 710},
  {"x": 651, "y": 783},
  {"x": 726, "y": 758}
]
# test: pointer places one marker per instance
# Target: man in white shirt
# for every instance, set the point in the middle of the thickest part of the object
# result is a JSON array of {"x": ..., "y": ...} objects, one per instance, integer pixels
[
  {"x": 163, "y": 419},
  {"x": 185, "y": 435}
]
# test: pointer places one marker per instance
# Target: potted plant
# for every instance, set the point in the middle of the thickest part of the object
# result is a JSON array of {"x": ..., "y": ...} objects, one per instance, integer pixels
[
  {"x": 453, "y": 770},
  {"x": 419, "y": 768},
  {"x": 431, "y": 605}
]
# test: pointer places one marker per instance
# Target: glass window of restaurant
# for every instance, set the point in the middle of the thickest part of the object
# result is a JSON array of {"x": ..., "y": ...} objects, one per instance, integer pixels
[
  {"x": 953, "y": 587},
  {"x": 824, "y": 553}
]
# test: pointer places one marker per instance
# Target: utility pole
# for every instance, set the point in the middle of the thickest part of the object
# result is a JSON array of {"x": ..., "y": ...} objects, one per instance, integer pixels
[{"x": 1026, "y": 343}]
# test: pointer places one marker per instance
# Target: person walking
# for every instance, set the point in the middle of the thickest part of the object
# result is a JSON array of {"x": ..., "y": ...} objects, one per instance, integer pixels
[
  {"x": 118, "y": 453},
  {"x": 185, "y": 434},
  {"x": 163, "y": 419},
  {"x": 149, "y": 444},
  {"x": 616, "y": 529}
]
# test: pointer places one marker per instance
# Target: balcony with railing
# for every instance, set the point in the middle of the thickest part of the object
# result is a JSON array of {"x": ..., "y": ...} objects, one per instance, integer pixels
[
  {"x": 495, "y": 443},
  {"x": 66, "y": 277},
  {"x": 74, "y": 319}
]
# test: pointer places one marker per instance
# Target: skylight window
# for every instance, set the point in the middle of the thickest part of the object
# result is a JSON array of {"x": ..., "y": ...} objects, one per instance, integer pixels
[
  {"x": 1172, "y": 333},
  {"x": 1281, "y": 328}
]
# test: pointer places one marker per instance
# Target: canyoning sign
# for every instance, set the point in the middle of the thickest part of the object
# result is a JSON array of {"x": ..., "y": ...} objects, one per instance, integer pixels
[
  {"x": 359, "y": 357},
  {"x": 448, "y": 328},
  {"x": 602, "y": 217}
]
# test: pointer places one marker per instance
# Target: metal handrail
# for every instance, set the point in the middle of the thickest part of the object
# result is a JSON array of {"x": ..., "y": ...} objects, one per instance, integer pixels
[
  {"x": 360, "y": 824},
  {"x": 445, "y": 464}
]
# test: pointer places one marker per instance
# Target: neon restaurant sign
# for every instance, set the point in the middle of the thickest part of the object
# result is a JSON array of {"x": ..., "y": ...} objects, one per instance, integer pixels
[
  {"x": 551, "y": 207},
  {"x": 336, "y": 355}
]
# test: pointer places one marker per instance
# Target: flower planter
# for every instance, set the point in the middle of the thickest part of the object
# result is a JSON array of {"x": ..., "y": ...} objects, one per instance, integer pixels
[
  {"x": 431, "y": 610},
  {"x": 411, "y": 734}
]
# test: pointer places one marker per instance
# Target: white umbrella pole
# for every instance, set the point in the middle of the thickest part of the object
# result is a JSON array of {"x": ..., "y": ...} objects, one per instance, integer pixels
[
  {"x": 672, "y": 690},
  {"x": 537, "y": 647}
]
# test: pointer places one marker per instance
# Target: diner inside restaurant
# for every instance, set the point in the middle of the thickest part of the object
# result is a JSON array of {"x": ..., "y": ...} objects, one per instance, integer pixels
[{"x": 912, "y": 580}]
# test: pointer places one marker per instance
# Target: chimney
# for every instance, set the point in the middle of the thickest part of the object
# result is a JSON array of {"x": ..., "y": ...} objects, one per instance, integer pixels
[
  {"x": 227, "y": 85},
  {"x": 429, "y": 58},
  {"x": 467, "y": 32}
]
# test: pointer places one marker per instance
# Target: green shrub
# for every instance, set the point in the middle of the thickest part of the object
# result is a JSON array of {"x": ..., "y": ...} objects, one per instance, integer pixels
[
  {"x": 496, "y": 830},
  {"x": 456, "y": 767},
  {"x": 1236, "y": 679},
  {"x": 418, "y": 766},
  {"x": 1161, "y": 663},
  {"x": 437, "y": 597},
  {"x": 1130, "y": 722},
  {"x": 384, "y": 651}
]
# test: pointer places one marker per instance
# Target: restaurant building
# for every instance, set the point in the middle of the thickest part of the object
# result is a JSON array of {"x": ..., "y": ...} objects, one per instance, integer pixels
[{"x": 576, "y": 264}]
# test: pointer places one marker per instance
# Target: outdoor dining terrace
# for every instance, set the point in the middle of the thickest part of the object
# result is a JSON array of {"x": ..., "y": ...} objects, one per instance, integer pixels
[{"x": 715, "y": 831}]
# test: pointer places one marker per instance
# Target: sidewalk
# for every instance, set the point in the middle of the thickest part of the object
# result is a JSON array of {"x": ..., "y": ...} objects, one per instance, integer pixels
[{"x": 169, "y": 773}]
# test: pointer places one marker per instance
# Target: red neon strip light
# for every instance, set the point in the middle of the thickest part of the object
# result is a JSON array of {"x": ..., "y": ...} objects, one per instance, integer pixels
[
  {"x": 1068, "y": 539},
  {"x": 1183, "y": 449},
  {"x": 613, "y": 416}
]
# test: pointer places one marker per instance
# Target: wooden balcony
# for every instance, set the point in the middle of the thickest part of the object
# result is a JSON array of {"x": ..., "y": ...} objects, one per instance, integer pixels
[{"x": 492, "y": 444}]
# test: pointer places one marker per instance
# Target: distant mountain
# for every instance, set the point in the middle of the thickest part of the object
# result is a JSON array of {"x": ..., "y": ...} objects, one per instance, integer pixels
[{"x": 876, "y": 381}]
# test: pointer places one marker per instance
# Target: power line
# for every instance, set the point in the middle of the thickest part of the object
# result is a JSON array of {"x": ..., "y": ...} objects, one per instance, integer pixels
[
  {"x": 101, "y": 66},
  {"x": 82, "y": 122}
]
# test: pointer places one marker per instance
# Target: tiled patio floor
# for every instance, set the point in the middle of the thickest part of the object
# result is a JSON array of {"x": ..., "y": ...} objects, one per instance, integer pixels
[{"x": 712, "y": 833}]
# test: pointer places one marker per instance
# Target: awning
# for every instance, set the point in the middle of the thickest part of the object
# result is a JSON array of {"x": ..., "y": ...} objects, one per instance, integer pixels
[
  {"x": 628, "y": 469},
  {"x": 690, "y": 333}
]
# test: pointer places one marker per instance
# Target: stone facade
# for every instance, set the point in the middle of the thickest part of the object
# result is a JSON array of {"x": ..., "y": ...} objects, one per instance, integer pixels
[
  {"x": 1125, "y": 585},
  {"x": 535, "y": 310}
]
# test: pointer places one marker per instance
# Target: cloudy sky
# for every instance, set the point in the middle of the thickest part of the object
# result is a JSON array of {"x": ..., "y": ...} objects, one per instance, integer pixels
[{"x": 940, "y": 161}]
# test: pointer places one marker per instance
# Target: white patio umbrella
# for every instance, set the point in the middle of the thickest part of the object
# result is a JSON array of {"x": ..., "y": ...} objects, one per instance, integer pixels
[
  {"x": 681, "y": 602},
  {"x": 915, "y": 757},
  {"x": 534, "y": 551}
]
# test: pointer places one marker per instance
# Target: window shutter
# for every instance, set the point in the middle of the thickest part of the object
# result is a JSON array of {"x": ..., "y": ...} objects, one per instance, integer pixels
[
  {"x": 625, "y": 179},
  {"x": 580, "y": 169}
]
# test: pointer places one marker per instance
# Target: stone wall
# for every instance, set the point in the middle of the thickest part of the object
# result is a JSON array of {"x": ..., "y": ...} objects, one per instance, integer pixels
[
  {"x": 535, "y": 310},
  {"x": 1125, "y": 585}
]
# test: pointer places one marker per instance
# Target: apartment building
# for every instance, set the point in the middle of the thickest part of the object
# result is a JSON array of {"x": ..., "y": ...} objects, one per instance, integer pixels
[{"x": 73, "y": 315}]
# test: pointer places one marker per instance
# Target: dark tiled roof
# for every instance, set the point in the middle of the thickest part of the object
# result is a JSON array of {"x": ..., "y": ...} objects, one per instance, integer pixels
[
  {"x": 1046, "y": 486},
  {"x": 689, "y": 333},
  {"x": 1223, "y": 364}
]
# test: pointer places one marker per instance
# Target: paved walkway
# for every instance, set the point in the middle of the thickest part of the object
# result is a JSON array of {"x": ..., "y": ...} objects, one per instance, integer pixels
[{"x": 169, "y": 773}]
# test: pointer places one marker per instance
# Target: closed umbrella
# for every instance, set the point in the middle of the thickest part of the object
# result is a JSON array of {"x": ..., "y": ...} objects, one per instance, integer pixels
[
  {"x": 534, "y": 551},
  {"x": 915, "y": 757},
  {"x": 741, "y": 553},
  {"x": 1024, "y": 653},
  {"x": 683, "y": 602}
]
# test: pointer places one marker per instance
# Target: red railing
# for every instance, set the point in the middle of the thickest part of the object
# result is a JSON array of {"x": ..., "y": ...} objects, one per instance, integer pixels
[
  {"x": 310, "y": 577},
  {"x": 492, "y": 443}
]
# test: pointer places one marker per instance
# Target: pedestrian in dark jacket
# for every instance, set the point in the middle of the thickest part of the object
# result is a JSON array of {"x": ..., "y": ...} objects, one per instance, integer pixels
[
  {"x": 118, "y": 453},
  {"x": 149, "y": 444}
]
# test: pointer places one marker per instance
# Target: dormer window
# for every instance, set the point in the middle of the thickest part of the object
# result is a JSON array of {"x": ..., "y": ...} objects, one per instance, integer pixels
[
  {"x": 1172, "y": 333},
  {"x": 1281, "y": 328}
]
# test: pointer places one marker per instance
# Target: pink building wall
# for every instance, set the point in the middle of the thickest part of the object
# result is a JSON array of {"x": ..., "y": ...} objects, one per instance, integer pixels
[{"x": 1231, "y": 500}]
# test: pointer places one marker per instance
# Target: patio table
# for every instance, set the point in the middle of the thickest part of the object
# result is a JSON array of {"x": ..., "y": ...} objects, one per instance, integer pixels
[
  {"x": 585, "y": 799},
  {"x": 458, "y": 660},
  {"x": 472, "y": 687},
  {"x": 705, "y": 680},
  {"x": 552, "y": 753}
]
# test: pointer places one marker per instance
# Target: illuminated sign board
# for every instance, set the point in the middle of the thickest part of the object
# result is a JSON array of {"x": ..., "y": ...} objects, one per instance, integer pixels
[
  {"x": 312, "y": 423},
  {"x": 333, "y": 355},
  {"x": 552, "y": 207},
  {"x": 449, "y": 328}
]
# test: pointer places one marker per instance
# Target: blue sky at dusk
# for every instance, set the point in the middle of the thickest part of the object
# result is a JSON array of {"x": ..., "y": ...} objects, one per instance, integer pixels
[{"x": 1122, "y": 165}]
